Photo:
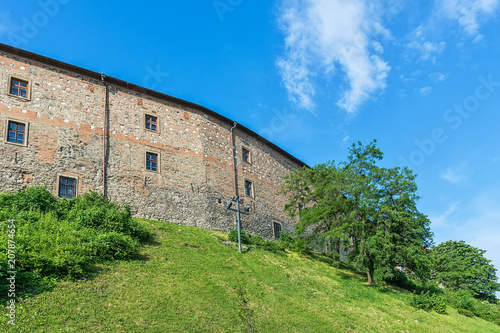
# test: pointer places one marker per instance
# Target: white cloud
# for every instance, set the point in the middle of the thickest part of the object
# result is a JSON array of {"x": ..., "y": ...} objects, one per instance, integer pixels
[
  {"x": 469, "y": 13},
  {"x": 427, "y": 50},
  {"x": 437, "y": 77},
  {"x": 324, "y": 34},
  {"x": 425, "y": 91},
  {"x": 442, "y": 219},
  {"x": 454, "y": 175}
]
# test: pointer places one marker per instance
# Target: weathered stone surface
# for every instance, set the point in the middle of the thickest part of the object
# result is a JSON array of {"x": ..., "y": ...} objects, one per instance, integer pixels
[{"x": 66, "y": 116}]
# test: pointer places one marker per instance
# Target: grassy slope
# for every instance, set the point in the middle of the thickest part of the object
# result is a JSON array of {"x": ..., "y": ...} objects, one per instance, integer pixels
[{"x": 190, "y": 280}]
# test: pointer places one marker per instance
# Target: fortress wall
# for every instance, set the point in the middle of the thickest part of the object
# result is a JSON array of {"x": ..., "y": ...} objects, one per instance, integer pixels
[{"x": 65, "y": 115}]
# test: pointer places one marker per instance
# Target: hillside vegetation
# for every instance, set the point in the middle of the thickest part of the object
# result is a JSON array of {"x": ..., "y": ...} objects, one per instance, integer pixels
[{"x": 186, "y": 279}]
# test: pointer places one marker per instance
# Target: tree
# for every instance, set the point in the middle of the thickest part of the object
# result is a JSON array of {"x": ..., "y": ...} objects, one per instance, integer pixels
[
  {"x": 459, "y": 266},
  {"x": 367, "y": 210}
]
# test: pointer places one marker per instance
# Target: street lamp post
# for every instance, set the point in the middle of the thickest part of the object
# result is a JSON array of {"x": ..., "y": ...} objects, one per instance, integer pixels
[{"x": 246, "y": 211}]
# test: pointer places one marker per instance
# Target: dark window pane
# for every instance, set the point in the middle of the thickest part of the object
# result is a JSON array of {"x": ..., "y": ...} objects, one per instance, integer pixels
[
  {"x": 12, "y": 125},
  {"x": 24, "y": 84},
  {"x": 69, "y": 193},
  {"x": 153, "y": 166},
  {"x": 15, "y": 82},
  {"x": 14, "y": 90},
  {"x": 23, "y": 93},
  {"x": 20, "y": 138},
  {"x": 20, "y": 127},
  {"x": 153, "y": 127},
  {"x": 12, "y": 137},
  {"x": 148, "y": 165}
]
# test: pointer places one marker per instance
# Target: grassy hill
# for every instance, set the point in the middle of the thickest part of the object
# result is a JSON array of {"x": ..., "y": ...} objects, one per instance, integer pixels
[{"x": 193, "y": 280}]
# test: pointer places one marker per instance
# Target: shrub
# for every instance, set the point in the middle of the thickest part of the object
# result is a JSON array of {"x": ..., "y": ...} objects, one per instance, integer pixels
[
  {"x": 31, "y": 199},
  {"x": 63, "y": 238},
  {"x": 427, "y": 301},
  {"x": 233, "y": 237},
  {"x": 115, "y": 246},
  {"x": 92, "y": 210},
  {"x": 465, "y": 312}
]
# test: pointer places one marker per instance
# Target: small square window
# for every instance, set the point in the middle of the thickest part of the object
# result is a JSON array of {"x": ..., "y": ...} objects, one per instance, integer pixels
[
  {"x": 151, "y": 123},
  {"x": 19, "y": 88},
  {"x": 248, "y": 188},
  {"x": 246, "y": 155},
  {"x": 276, "y": 229},
  {"x": 67, "y": 187},
  {"x": 152, "y": 161},
  {"x": 16, "y": 132}
]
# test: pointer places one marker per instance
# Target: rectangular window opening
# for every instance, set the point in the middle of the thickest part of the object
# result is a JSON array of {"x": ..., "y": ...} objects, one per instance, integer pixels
[
  {"x": 67, "y": 187},
  {"x": 152, "y": 161},
  {"x": 277, "y": 229},
  {"x": 151, "y": 123},
  {"x": 248, "y": 188},
  {"x": 19, "y": 87},
  {"x": 246, "y": 155},
  {"x": 16, "y": 132}
]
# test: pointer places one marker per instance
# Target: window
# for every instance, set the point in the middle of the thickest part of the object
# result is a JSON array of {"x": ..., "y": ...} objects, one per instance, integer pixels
[
  {"x": 67, "y": 187},
  {"x": 18, "y": 87},
  {"x": 277, "y": 229},
  {"x": 16, "y": 132},
  {"x": 152, "y": 161},
  {"x": 246, "y": 155},
  {"x": 248, "y": 188},
  {"x": 151, "y": 123}
]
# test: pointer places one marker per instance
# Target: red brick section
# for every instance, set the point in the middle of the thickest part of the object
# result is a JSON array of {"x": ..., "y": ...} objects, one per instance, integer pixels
[{"x": 65, "y": 115}]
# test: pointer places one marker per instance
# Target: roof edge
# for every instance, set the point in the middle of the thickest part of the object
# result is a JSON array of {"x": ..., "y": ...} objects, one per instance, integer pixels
[{"x": 154, "y": 93}]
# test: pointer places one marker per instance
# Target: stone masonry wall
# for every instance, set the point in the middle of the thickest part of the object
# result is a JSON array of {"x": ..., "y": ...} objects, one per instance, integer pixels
[{"x": 65, "y": 115}]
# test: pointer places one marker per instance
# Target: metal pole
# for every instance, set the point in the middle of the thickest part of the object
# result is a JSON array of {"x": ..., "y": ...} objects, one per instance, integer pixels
[{"x": 239, "y": 221}]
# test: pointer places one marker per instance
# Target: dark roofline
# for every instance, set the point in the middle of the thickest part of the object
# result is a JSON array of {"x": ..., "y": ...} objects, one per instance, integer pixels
[{"x": 154, "y": 93}]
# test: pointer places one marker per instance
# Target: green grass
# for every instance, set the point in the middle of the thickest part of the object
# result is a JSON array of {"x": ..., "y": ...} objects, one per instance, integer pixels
[{"x": 193, "y": 280}]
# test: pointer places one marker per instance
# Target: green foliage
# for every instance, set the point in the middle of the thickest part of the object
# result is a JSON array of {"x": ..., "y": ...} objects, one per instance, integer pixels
[
  {"x": 233, "y": 237},
  {"x": 115, "y": 246},
  {"x": 31, "y": 199},
  {"x": 469, "y": 306},
  {"x": 362, "y": 208},
  {"x": 92, "y": 210},
  {"x": 429, "y": 301},
  {"x": 459, "y": 266},
  {"x": 63, "y": 238}
]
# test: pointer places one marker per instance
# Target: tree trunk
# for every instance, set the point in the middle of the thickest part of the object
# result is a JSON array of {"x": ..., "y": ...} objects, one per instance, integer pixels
[{"x": 370, "y": 279}]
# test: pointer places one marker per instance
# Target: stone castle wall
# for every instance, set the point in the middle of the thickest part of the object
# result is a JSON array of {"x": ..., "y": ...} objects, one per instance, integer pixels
[{"x": 65, "y": 113}]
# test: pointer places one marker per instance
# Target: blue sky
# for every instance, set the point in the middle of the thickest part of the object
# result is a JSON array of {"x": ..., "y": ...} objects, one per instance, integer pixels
[{"x": 421, "y": 77}]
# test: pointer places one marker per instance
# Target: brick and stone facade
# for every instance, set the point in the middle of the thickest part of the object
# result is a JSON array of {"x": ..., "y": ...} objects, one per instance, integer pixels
[{"x": 74, "y": 125}]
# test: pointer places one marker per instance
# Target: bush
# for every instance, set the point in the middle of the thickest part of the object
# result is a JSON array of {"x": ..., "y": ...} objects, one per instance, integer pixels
[
  {"x": 92, "y": 210},
  {"x": 31, "y": 199},
  {"x": 465, "y": 312},
  {"x": 115, "y": 246},
  {"x": 427, "y": 301},
  {"x": 55, "y": 238},
  {"x": 233, "y": 237}
]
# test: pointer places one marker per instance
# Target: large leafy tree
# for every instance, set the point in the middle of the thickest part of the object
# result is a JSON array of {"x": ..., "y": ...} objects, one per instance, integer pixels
[
  {"x": 365, "y": 209},
  {"x": 460, "y": 266}
]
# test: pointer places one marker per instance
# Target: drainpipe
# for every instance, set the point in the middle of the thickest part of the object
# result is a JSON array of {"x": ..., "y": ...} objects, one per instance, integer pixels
[
  {"x": 235, "y": 165},
  {"x": 104, "y": 135}
]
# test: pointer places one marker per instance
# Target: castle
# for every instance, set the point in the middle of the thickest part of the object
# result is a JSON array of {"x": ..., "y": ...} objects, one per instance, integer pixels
[{"x": 74, "y": 130}]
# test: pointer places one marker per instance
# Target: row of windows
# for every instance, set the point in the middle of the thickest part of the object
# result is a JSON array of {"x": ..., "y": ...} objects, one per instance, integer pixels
[
  {"x": 20, "y": 88},
  {"x": 16, "y": 133}
]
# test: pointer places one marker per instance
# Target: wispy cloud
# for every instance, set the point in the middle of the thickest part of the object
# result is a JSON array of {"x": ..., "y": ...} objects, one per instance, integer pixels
[
  {"x": 425, "y": 49},
  {"x": 324, "y": 34},
  {"x": 425, "y": 91},
  {"x": 442, "y": 219},
  {"x": 454, "y": 175},
  {"x": 469, "y": 13}
]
